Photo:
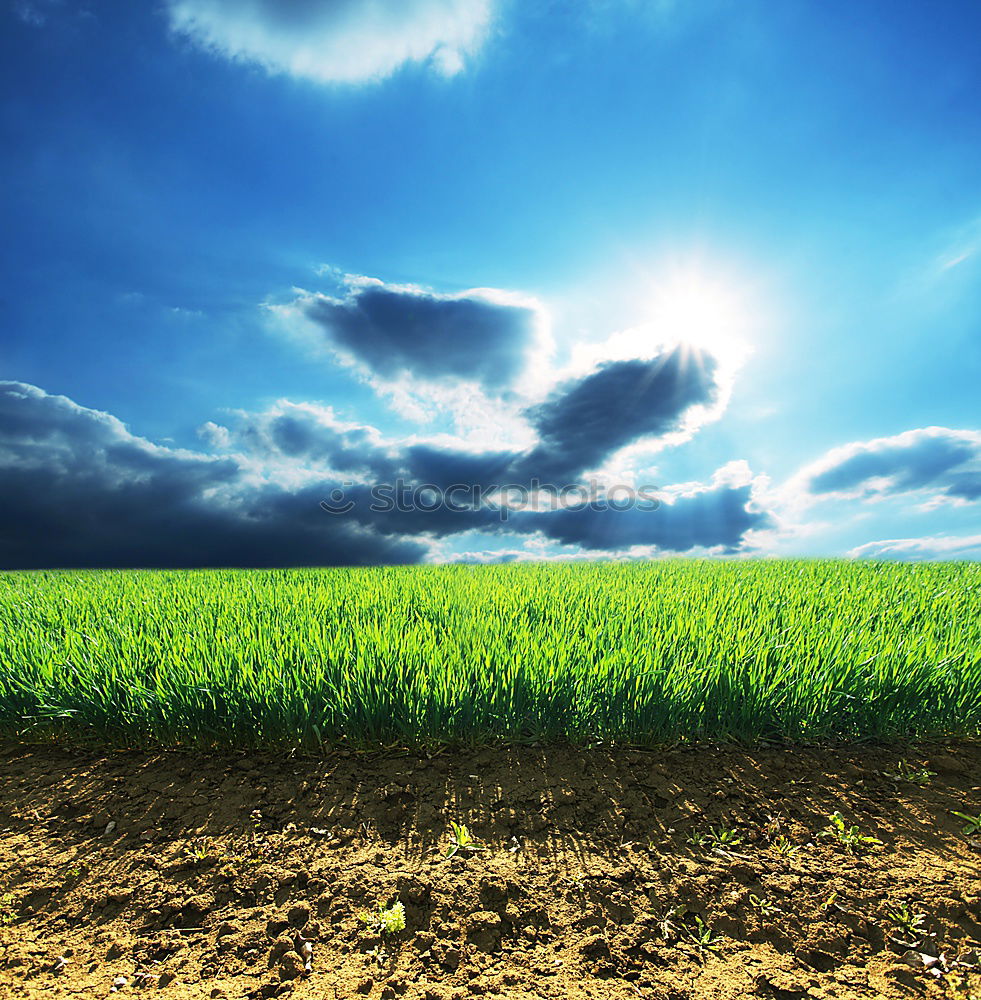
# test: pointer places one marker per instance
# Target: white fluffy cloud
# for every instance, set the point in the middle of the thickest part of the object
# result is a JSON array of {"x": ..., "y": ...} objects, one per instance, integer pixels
[
  {"x": 912, "y": 549},
  {"x": 337, "y": 41}
]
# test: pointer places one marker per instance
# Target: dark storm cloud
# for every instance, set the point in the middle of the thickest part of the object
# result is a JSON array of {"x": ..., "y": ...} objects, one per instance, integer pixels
[
  {"x": 717, "y": 517},
  {"x": 622, "y": 401},
  {"x": 76, "y": 489},
  {"x": 579, "y": 426},
  {"x": 936, "y": 459},
  {"x": 422, "y": 512},
  {"x": 315, "y": 438},
  {"x": 446, "y": 467},
  {"x": 312, "y": 437},
  {"x": 396, "y": 331}
]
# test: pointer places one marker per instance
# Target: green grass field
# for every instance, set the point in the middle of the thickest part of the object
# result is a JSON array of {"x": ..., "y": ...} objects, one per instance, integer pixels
[{"x": 633, "y": 652}]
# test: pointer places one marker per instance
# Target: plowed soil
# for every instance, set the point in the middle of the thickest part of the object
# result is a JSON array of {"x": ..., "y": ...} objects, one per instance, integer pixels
[{"x": 207, "y": 874}]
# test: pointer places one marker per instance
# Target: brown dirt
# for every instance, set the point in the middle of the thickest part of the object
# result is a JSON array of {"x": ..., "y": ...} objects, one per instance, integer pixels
[{"x": 587, "y": 852}]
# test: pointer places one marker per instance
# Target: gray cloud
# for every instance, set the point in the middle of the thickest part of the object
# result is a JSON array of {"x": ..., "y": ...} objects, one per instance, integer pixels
[
  {"x": 476, "y": 336},
  {"x": 585, "y": 421},
  {"x": 935, "y": 460},
  {"x": 313, "y": 436},
  {"x": 579, "y": 426},
  {"x": 444, "y": 467},
  {"x": 716, "y": 517},
  {"x": 77, "y": 489}
]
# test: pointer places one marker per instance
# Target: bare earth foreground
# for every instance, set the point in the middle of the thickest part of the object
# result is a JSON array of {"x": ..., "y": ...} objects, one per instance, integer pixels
[{"x": 154, "y": 872}]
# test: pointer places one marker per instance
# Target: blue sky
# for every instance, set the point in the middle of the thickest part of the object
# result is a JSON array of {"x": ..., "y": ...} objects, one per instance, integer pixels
[{"x": 256, "y": 252}]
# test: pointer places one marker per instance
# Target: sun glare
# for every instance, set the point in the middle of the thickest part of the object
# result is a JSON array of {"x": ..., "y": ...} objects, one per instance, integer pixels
[{"x": 702, "y": 313}]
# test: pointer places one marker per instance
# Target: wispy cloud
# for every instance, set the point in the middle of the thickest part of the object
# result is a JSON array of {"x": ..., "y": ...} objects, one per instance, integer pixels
[
  {"x": 958, "y": 258},
  {"x": 914, "y": 549},
  {"x": 962, "y": 245}
]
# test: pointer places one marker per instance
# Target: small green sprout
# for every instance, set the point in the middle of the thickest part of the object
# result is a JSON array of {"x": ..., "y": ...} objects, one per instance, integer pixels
[
  {"x": 200, "y": 849},
  {"x": 763, "y": 906},
  {"x": 670, "y": 923},
  {"x": 904, "y": 918},
  {"x": 846, "y": 835},
  {"x": 784, "y": 847},
  {"x": 972, "y": 823},
  {"x": 716, "y": 836},
  {"x": 461, "y": 839},
  {"x": 702, "y": 936},
  {"x": 672, "y": 927},
  {"x": 908, "y": 772},
  {"x": 831, "y": 903},
  {"x": 726, "y": 837},
  {"x": 385, "y": 920}
]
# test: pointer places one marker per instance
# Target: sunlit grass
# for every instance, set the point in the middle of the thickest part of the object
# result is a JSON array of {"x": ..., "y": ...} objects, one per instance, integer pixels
[{"x": 631, "y": 652}]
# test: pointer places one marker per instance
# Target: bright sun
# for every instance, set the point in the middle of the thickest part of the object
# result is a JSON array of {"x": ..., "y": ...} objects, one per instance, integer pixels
[
  {"x": 705, "y": 311},
  {"x": 700, "y": 312}
]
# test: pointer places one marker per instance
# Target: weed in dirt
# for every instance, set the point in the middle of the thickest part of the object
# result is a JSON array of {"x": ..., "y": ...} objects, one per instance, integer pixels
[
  {"x": 831, "y": 903},
  {"x": 715, "y": 836},
  {"x": 7, "y": 913},
  {"x": 200, "y": 849},
  {"x": 670, "y": 923},
  {"x": 378, "y": 954},
  {"x": 763, "y": 906},
  {"x": 461, "y": 839},
  {"x": 257, "y": 845},
  {"x": 674, "y": 928},
  {"x": 905, "y": 919},
  {"x": 702, "y": 936},
  {"x": 847, "y": 836},
  {"x": 385, "y": 919},
  {"x": 972, "y": 824},
  {"x": 784, "y": 847},
  {"x": 772, "y": 828},
  {"x": 913, "y": 773}
]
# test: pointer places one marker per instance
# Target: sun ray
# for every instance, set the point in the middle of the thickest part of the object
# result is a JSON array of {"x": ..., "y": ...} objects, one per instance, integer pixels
[{"x": 701, "y": 313}]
